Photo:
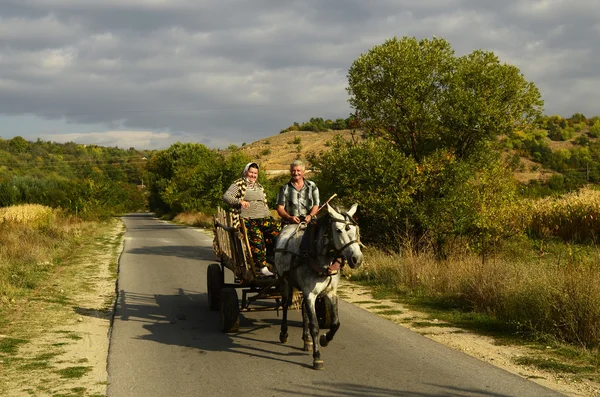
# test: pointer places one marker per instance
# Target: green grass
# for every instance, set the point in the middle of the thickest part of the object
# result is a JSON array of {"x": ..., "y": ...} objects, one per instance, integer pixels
[
  {"x": 380, "y": 307},
  {"x": 550, "y": 364},
  {"x": 11, "y": 345},
  {"x": 35, "y": 365},
  {"x": 73, "y": 372},
  {"x": 390, "y": 312}
]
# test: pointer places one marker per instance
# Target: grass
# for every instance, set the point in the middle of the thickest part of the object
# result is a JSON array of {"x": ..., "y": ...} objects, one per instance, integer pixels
[
  {"x": 36, "y": 365},
  {"x": 51, "y": 265},
  {"x": 518, "y": 297},
  {"x": 11, "y": 345},
  {"x": 390, "y": 312},
  {"x": 73, "y": 372},
  {"x": 380, "y": 307},
  {"x": 553, "y": 365},
  {"x": 196, "y": 219}
]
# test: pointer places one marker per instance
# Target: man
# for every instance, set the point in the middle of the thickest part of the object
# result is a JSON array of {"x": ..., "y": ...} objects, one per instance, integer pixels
[{"x": 298, "y": 200}]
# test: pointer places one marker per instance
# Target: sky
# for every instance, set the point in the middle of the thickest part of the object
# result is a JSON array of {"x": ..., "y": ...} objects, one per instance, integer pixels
[{"x": 149, "y": 73}]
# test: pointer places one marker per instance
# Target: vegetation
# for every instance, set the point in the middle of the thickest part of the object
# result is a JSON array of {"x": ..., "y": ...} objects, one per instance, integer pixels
[
  {"x": 431, "y": 175},
  {"x": 89, "y": 181},
  {"x": 317, "y": 124},
  {"x": 189, "y": 177},
  {"x": 32, "y": 237},
  {"x": 423, "y": 99},
  {"x": 546, "y": 294},
  {"x": 45, "y": 268}
]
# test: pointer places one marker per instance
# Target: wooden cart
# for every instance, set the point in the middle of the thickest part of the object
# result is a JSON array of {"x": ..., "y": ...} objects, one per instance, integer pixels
[{"x": 232, "y": 250}]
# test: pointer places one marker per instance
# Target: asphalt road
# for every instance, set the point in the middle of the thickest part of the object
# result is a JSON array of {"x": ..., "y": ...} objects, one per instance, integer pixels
[{"x": 165, "y": 341}]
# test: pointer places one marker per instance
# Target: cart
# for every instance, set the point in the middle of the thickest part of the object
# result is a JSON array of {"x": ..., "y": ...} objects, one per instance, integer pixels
[{"x": 232, "y": 250}]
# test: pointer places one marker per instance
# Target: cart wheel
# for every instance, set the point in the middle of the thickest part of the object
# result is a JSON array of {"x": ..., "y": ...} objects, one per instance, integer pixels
[
  {"x": 230, "y": 310},
  {"x": 214, "y": 284},
  {"x": 323, "y": 313}
]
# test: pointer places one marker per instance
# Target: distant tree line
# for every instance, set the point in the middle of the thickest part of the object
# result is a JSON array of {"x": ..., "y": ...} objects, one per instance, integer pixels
[
  {"x": 317, "y": 124},
  {"x": 89, "y": 181}
]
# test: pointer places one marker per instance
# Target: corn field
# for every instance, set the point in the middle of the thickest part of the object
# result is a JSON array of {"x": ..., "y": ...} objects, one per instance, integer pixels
[{"x": 573, "y": 217}]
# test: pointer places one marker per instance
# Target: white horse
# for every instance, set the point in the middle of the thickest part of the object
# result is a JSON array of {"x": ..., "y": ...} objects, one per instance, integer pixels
[{"x": 336, "y": 235}]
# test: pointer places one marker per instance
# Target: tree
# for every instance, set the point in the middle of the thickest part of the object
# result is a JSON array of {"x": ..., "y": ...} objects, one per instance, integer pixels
[{"x": 421, "y": 97}]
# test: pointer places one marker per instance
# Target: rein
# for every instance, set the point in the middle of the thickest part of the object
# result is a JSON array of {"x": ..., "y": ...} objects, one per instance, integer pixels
[{"x": 328, "y": 250}]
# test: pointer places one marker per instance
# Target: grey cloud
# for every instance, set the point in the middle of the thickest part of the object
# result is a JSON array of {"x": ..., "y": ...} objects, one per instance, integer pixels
[{"x": 235, "y": 71}]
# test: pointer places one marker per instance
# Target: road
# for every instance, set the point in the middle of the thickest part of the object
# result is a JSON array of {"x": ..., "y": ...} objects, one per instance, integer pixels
[{"x": 165, "y": 341}]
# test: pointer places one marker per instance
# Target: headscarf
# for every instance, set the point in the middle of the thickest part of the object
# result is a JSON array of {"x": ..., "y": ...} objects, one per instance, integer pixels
[{"x": 247, "y": 167}]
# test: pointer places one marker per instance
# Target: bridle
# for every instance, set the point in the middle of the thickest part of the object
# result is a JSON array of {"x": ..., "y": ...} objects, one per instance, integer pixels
[{"x": 348, "y": 221}]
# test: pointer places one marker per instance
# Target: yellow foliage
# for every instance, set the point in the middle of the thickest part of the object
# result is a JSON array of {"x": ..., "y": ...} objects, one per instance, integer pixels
[{"x": 573, "y": 217}]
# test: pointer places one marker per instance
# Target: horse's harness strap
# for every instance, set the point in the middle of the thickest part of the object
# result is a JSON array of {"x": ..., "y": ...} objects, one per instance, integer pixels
[{"x": 347, "y": 245}]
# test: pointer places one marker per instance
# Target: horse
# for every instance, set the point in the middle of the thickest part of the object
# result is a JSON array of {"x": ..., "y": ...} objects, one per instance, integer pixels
[{"x": 336, "y": 237}]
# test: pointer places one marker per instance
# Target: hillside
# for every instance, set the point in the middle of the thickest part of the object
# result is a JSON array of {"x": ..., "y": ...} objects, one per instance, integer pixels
[{"x": 275, "y": 153}]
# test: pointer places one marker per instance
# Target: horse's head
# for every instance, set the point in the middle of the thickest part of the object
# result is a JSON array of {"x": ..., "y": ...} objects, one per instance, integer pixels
[{"x": 344, "y": 232}]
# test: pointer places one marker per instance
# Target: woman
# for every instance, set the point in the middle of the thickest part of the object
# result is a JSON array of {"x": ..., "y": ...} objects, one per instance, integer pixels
[{"x": 248, "y": 200}]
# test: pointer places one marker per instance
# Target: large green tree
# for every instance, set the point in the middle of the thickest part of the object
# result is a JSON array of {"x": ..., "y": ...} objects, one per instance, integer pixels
[{"x": 421, "y": 97}]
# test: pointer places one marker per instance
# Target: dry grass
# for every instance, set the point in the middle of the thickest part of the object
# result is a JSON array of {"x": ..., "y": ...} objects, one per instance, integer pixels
[
  {"x": 289, "y": 146},
  {"x": 553, "y": 297},
  {"x": 196, "y": 219},
  {"x": 31, "y": 237}
]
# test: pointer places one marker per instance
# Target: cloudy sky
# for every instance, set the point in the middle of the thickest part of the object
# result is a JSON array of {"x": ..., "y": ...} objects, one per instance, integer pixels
[{"x": 148, "y": 73}]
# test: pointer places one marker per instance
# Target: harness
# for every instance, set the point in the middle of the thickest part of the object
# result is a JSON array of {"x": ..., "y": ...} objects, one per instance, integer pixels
[{"x": 334, "y": 258}]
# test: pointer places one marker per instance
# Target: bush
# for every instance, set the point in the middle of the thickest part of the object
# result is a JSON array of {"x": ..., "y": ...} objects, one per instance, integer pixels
[{"x": 374, "y": 175}]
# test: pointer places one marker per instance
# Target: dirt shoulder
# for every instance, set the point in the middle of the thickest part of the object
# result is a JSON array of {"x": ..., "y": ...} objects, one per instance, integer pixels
[{"x": 60, "y": 333}]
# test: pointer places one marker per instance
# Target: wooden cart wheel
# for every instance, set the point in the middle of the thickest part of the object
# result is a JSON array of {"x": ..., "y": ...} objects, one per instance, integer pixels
[
  {"x": 214, "y": 284},
  {"x": 323, "y": 313},
  {"x": 230, "y": 310}
]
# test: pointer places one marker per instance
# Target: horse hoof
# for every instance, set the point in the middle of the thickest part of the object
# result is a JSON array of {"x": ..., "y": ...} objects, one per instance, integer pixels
[
  {"x": 308, "y": 346},
  {"x": 318, "y": 364},
  {"x": 323, "y": 341},
  {"x": 283, "y": 338}
]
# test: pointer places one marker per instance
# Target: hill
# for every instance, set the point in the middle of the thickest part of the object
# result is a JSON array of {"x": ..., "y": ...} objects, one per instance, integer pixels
[{"x": 275, "y": 153}]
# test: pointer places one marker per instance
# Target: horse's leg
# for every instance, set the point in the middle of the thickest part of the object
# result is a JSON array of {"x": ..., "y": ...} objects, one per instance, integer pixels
[
  {"x": 309, "y": 301},
  {"x": 332, "y": 302},
  {"x": 305, "y": 330},
  {"x": 286, "y": 296}
]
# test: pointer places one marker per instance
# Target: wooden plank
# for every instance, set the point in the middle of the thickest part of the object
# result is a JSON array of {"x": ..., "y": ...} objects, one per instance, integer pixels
[{"x": 231, "y": 246}]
